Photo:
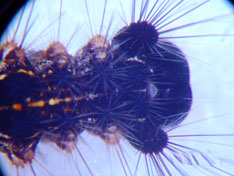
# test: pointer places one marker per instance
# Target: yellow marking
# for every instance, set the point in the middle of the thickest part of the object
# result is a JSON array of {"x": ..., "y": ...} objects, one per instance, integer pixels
[
  {"x": 44, "y": 76},
  {"x": 49, "y": 88},
  {"x": 50, "y": 71},
  {"x": 54, "y": 101},
  {"x": 30, "y": 73},
  {"x": 17, "y": 107},
  {"x": 40, "y": 103},
  {"x": 68, "y": 99},
  {"x": 3, "y": 76},
  {"x": 52, "y": 116},
  {"x": 4, "y": 136}
]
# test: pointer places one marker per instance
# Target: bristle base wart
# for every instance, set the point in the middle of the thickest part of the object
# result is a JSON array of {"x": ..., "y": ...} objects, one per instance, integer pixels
[
  {"x": 136, "y": 39},
  {"x": 20, "y": 151},
  {"x": 12, "y": 58},
  {"x": 147, "y": 138}
]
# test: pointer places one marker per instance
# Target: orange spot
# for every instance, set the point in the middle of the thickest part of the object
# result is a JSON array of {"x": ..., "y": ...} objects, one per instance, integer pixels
[
  {"x": 49, "y": 88},
  {"x": 30, "y": 73},
  {"x": 2, "y": 77},
  {"x": 17, "y": 107},
  {"x": 35, "y": 135},
  {"x": 52, "y": 116},
  {"x": 68, "y": 99},
  {"x": 43, "y": 113},
  {"x": 40, "y": 103},
  {"x": 67, "y": 109},
  {"x": 4, "y": 136}
]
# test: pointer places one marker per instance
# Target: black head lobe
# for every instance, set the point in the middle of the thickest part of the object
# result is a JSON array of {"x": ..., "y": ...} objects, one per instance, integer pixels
[{"x": 136, "y": 39}]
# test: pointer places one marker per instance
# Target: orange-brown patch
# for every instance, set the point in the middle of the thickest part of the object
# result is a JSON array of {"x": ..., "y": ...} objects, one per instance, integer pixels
[{"x": 17, "y": 107}]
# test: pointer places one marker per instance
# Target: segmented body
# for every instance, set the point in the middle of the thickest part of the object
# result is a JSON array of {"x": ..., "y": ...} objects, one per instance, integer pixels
[{"x": 133, "y": 86}]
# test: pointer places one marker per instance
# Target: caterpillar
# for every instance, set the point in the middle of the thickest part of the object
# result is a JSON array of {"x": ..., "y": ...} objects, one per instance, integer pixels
[{"x": 93, "y": 92}]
